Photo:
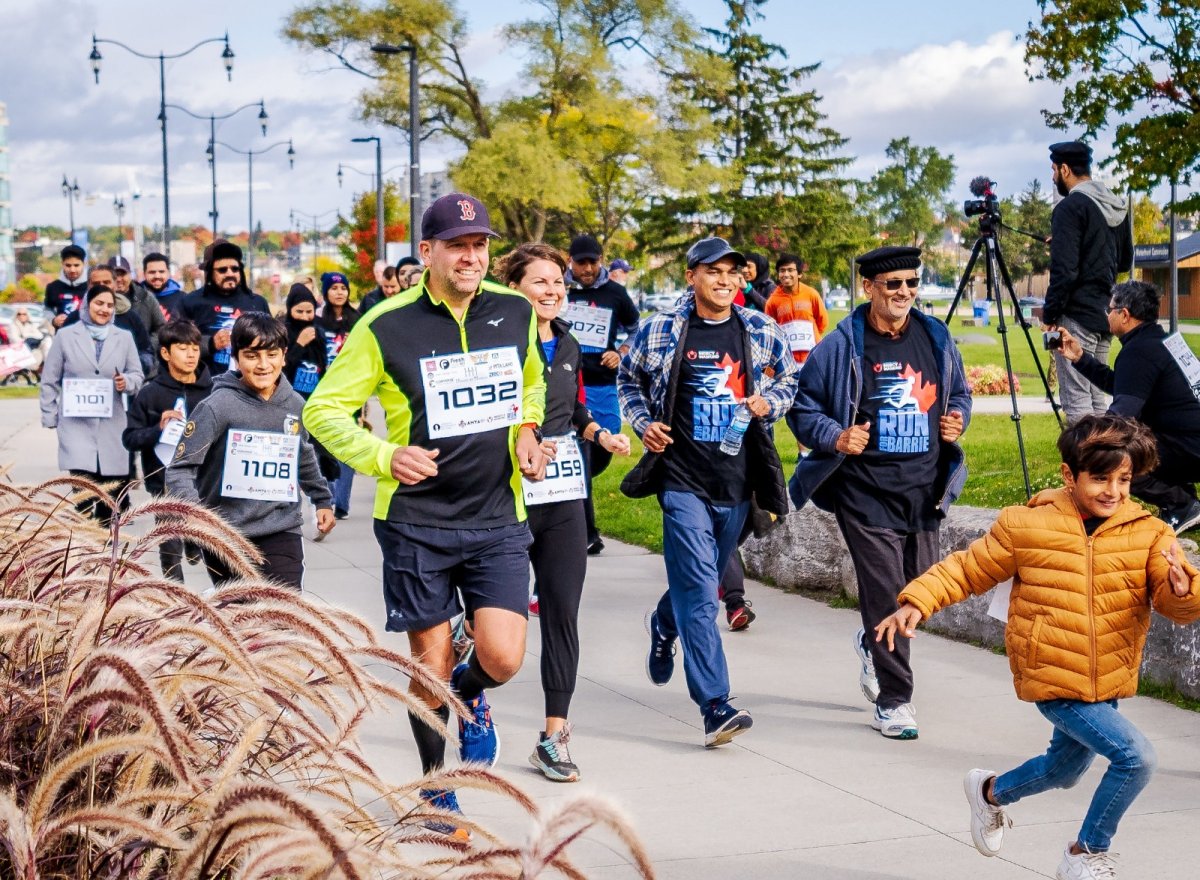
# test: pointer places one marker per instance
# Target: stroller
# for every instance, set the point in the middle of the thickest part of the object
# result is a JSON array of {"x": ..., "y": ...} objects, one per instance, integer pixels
[{"x": 18, "y": 361}]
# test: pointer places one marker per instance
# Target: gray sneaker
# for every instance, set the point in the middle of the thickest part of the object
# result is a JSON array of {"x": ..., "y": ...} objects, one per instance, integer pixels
[
  {"x": 898, "y": 722},
  {"x": 866, "y": 675}
]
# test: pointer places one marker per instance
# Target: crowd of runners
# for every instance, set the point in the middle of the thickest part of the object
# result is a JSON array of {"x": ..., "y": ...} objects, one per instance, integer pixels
[{"x": 504, "y": 399}]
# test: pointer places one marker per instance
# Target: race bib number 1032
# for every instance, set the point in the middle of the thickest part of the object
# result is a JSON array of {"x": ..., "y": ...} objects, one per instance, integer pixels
[{"x": 472, "y": 392}]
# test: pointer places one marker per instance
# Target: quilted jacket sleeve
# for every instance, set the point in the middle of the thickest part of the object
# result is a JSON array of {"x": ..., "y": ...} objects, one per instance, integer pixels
[{"x": 986, "y": 562}]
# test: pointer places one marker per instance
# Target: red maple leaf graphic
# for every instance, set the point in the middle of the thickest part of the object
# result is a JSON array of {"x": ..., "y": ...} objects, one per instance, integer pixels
[
  {"x": 925, "y": 394},
  {"x": 737, "y": 379}
]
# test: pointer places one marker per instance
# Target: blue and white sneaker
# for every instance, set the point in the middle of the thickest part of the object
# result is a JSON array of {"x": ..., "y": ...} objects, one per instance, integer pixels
[
  {"x": 722, "y": 723},
  {"x": 478, "y": 741},
  {"x": 866, "y": 674},
  {"x": 444, "y": 799},
  {"x": 898, "y": 722},
  {"x": 660, "y": 662}
]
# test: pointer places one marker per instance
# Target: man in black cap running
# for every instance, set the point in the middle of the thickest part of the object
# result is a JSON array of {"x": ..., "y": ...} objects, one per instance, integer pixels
[
  {"x": 1090, "y": 242},
  {"x": 881, "y": 404},
  {"x": 597, "y": 309}
]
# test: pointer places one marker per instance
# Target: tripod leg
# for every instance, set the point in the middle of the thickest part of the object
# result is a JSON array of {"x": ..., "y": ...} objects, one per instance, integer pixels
[
  {"x": 966, "y": 277},
  {"x": 1025, "y": 325},
  {"x": 993, "y": 292}
]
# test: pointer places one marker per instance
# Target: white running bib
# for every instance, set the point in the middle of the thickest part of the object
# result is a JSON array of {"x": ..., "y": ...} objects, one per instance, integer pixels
[
  {"x": 472, "y": 392},
  {"x": 1187, "y": 361},
  {"x": 164, "y": 449},
  {"x": 261, "y": 466},
  {"x": 564, "y": 480},
  {"x": 801, "y": 335},
  {"x": 87, "y": 398},
  {"x": 589, "y": 324}
]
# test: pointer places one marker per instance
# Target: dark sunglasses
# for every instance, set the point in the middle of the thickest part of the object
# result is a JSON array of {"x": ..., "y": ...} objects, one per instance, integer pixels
[
  {"x": 225, "y": 270},
  {"x": 893, "y": 284}
]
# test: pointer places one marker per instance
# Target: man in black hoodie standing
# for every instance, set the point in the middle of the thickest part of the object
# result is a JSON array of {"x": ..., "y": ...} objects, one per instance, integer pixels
[
  {"x": 65, "y": 293},
  {"x": 220, "y": 302},
  {"x": 1090, "y": 242}
]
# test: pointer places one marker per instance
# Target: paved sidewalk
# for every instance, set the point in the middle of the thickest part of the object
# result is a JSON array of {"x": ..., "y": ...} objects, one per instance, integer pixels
[{"x": 811, "y": 791}]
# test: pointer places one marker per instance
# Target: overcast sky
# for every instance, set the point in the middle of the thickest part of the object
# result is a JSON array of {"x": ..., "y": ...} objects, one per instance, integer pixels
[{"x": 945, "y": 73}]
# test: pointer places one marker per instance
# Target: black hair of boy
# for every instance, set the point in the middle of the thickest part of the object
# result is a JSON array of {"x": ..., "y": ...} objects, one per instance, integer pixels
[
  {"x": 257, "y": 331},
  {"x": 1101, "y": 444},
  {"x": 178, "y": 333},
  {"x": 154, "y": 257},
  {"x": 786, "y": 259}
]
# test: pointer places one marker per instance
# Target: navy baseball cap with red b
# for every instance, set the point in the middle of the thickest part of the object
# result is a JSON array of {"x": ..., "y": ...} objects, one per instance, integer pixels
[{"x": 453, "y": 215}]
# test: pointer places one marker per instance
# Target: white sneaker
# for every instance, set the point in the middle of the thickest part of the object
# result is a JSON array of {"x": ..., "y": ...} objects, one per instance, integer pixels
[
  {"x": 899, "y": 722},
  {"x": 866, "y": 676},
  {"x": 1087, "y": 866},
  {"x": 987, "y": 822}
]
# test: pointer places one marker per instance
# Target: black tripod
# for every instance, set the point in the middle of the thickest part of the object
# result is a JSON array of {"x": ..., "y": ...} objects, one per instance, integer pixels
[{"x": 996, "y": 271}]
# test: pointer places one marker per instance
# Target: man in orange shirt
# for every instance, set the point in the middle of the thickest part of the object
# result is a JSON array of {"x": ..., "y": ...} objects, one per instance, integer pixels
[{"x": 796, "y": 307}]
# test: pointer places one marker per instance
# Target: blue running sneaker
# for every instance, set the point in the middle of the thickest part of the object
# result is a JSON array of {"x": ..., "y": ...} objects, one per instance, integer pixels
[
  {"x": 660, "y": 662},
  {"x": 478, "y": 741},
  {"x": 444, "y": 799},
  {"x": 722, "y": 723}
]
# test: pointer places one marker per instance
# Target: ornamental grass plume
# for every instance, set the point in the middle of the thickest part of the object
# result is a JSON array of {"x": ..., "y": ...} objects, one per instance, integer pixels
[{"x": 149, "y": 732}]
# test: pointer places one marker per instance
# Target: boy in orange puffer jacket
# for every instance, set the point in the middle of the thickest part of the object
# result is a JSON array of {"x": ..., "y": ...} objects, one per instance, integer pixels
[{"x": 1087, "y": 565}]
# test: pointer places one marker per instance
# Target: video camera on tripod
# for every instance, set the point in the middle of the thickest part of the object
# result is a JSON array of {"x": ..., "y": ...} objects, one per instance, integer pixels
[{"x": 986, "y": 206}]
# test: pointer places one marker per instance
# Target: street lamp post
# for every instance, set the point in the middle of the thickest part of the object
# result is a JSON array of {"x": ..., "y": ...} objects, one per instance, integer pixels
[
  {"x": 414, "y": 139},
  {"x": 226, "y": 57},
  {"x": 71, "y": 191},
  {"x": 119, "y": 207},
  {"x": 380, "y": 243},
  {"x": 312, "y": 219},
  {"x": 250, "y": 154},
  {"x": 213, "y": 119}
]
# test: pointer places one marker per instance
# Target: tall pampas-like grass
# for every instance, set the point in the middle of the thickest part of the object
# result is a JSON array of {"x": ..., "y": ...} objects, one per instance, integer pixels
[{"x": 149, "y": 732}]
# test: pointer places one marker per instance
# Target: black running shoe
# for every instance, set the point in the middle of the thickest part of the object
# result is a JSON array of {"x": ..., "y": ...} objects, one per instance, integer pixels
[
  {"x": 551, "y": 757},
  {"x": 722, "y": 723}
]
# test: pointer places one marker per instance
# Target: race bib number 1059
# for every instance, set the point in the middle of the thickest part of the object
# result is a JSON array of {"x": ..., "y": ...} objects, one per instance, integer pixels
[{"x": 472, "y": 392}]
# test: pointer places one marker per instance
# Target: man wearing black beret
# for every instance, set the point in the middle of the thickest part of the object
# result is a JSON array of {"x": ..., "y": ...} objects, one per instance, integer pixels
[
  {"x": 1090, "y": 243},
  {"x": 881, "y": 404}
]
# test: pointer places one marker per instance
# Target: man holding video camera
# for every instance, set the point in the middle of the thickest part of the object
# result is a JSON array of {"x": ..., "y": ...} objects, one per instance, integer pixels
[{"x": 1090, "y": 243}]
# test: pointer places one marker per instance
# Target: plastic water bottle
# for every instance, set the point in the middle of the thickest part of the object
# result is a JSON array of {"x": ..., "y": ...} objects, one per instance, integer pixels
[{"x": 731, "y": 442}]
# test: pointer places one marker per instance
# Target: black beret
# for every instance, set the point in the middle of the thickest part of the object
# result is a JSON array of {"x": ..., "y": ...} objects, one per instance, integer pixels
[
  {"x": 585, "y": 247},
  {"x": 1071, "y": 153},
  {"x": 888, "y": 259},
  {"x": 225, "y": 250}
]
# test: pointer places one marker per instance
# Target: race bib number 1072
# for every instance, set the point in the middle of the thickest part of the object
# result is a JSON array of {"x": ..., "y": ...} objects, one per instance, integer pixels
[{"x": 472, "y": 392}]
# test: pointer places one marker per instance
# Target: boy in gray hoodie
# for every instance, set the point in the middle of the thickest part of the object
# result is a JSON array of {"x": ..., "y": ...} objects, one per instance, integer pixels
[{"x": 245, "y": 454}]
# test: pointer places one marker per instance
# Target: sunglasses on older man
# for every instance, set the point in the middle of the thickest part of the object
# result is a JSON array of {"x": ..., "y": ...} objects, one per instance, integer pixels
[{"x": 894, "y": 284}]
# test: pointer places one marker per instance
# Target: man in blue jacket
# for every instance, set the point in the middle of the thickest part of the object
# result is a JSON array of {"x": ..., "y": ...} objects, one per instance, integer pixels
[{"x": 881, "y": 404}]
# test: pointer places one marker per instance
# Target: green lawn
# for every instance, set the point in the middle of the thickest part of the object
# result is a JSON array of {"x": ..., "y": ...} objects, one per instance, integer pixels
[
  {"x": 990, "y": 445},
  {"x": 8, "y": 392}
]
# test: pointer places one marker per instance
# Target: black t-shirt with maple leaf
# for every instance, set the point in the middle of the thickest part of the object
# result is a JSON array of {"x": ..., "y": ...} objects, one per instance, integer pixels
[
  {"x": 711, "y": 384},
  {"x": 893, "y": 483}
]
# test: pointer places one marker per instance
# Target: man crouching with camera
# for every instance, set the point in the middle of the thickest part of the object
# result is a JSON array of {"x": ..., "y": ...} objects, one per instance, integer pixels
[{"x": 1149, "y": 382}]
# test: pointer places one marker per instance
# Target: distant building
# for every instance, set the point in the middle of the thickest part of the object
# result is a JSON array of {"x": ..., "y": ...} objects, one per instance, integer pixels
[
  {"x": 8, "y": 260},
  {"x": 1153, "y": 264}
]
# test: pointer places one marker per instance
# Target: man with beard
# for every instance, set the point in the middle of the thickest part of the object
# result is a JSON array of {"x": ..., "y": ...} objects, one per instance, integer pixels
[
  {"x": 1090, "y": 242},
  {"x": 156, "y": 278},
  {"x": 597, "y": 307},
  {"x": 140, "y": 300},
  {"x": 65, "y": 293},
  {"x": 224, "y": 298}
]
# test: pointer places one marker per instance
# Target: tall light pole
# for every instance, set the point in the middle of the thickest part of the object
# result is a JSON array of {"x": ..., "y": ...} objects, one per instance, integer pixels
[
  {"x": 312, "y": 219},
  {"x": 414, "y": 139},
  {"x": 71, "y": 191},
  {"x": 226, "y": 57},
  {"x": 213, "y": 119},
  {"x": 250, "y": 154},
  {"x": 380, "y": 243},
  {"x": 119, "y": 207}
]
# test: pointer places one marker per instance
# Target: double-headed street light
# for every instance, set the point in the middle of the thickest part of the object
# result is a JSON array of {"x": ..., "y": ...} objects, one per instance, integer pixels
[
  {"x": 380, "y": 244},
  {"x": 213, "y": 119},
  {"x": 226, "y": 58},
  {"x": 414, "y": 139},
  {"x": 119, "y": 207},
  {"x": 250, "y": 154},
  {"x": 71, "y": 191}
]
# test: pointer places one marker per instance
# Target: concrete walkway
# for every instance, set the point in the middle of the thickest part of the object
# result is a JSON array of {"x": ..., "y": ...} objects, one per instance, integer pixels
[{"x": 811, "y": 791}]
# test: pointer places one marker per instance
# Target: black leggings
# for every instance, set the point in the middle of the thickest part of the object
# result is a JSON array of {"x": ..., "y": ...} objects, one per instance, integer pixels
[
  {"x": 596, "y": 462},
  {"x": 559, "y": 557},
  {"x": 98, "y": 509},
  {"x": 283, "y": 560}
]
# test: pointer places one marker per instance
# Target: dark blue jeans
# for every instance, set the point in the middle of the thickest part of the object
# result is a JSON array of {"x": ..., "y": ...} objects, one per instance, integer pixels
[
  {"x": 698, "y": 539},
  {"x": 1082, "y": 731}
]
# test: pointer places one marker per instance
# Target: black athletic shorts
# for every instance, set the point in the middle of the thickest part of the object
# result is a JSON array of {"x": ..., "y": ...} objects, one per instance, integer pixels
[{"x": 425, "y": 568}]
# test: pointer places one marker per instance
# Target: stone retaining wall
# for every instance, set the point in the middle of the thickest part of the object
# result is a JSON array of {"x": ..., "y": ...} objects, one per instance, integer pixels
[{"x": 807, "y": 551}]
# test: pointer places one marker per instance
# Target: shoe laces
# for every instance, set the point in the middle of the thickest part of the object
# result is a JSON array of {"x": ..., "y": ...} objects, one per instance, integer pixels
[
  {"x": 441, "y": 799},
  {"x": 997, "y": 819},
  {"x": 1101, "y": 865},
  {"x": 482, "y": 713},
  {"x": 662, "y": 645},
  {"x": 556, "y": 745}
]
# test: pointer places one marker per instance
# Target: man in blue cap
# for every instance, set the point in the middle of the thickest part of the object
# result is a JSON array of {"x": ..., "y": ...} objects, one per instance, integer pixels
[{"x": 688, "y": 372}]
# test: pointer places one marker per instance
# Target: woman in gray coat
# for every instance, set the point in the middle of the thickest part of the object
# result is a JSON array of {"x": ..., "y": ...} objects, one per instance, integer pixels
[{"x": 90, "y": 370}]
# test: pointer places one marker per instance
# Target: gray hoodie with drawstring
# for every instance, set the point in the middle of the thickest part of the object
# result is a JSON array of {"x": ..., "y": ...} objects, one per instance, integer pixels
[{"x": 197, "y": 472}]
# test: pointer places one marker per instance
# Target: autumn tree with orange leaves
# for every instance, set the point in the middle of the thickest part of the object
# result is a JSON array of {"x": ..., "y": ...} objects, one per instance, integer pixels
[{"x": 358, "y": 252}]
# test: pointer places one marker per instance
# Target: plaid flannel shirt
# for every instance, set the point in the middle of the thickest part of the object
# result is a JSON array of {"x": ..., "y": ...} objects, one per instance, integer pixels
[{"x": 645, "y": 372}]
